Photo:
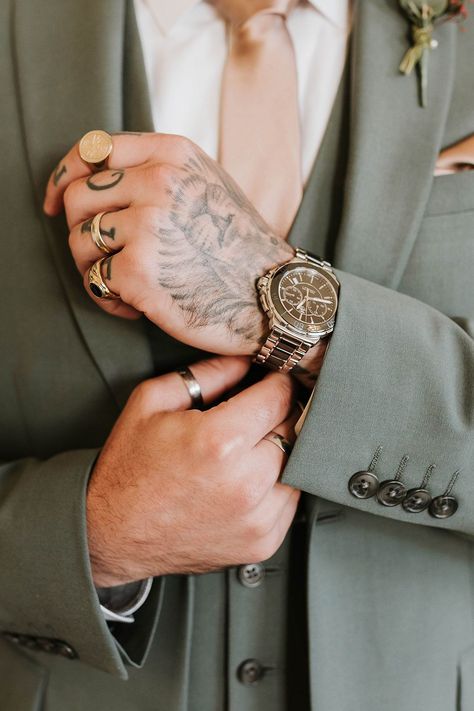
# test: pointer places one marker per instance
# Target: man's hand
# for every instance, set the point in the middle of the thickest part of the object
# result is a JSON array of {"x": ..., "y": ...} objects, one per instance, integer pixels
[
  {"x": 178, "y": 491},
  {"x": 190, "y": 246}
]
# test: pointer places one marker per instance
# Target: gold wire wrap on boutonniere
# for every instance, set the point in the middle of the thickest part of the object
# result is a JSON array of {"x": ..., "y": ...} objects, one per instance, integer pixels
[{"x": 422, "y": 17}]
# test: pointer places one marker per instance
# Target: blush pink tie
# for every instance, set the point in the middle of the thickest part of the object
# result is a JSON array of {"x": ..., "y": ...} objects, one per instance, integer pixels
[{"x": 260, "y": 143}]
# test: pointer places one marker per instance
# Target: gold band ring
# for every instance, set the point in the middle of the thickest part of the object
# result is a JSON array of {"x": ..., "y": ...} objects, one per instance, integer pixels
[
  {"x": 193, "y": 387},
  {"x": 95, "y": 148},
  {"x": 279, "y": 441},
  {"x": 97, "y": 284},
  {"x": 96, "y": 234}
]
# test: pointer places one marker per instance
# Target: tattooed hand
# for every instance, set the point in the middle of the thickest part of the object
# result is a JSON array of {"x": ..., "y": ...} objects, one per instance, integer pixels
[{"x": 189, "y": 246}]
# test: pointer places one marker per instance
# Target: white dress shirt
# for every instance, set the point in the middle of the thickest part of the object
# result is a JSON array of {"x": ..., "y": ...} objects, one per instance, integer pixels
[{"x": 185, "y": 46}]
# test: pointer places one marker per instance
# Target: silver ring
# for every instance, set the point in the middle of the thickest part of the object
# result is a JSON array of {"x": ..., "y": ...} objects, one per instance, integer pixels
[
  {"x": 193, "y": 387},
  {"x": 279, "y": 441}
]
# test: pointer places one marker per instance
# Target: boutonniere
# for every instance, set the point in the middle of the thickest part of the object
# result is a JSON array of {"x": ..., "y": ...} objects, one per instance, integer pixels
[{"x": 422, "y": 17}]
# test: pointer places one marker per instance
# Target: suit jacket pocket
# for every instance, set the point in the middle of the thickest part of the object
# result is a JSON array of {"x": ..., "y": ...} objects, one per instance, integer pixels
[
  {"x": 451, "y": 193},
  {"x": 22, "y": 681}
]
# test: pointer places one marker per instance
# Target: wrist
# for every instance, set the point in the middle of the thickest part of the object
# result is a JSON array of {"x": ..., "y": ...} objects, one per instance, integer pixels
[
  {"x": 308, "y": 369},
  {"x": 107, "y": 551}
]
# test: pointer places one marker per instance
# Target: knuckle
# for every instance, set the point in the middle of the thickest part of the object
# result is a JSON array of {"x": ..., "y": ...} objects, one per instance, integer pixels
[
  {"x": 135, "y": 259},
  {"x": 265, "y": 414},
  {"x": 218, "y": 445},
  {"x": 180, "y": 144},
  {"x": 262, "y": 548},
  {"x": 259, "y": 527},
  {"x": 160, "y": 174},
  {"x": 149, "y": 219},
  {"x": 246, "y": 498}
]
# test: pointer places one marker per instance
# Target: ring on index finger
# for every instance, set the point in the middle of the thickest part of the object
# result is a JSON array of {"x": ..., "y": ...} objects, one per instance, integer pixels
[
  {"x": 95, "y": 148},
  {"x": 192, "y": 386},
  {"x": 279, "y": 441}
]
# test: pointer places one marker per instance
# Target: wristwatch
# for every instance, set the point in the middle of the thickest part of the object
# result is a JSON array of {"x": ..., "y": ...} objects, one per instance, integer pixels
[{"x": 300, "y": 299}]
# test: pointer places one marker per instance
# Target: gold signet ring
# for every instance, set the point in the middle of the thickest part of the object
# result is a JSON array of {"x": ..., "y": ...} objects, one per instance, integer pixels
[
  {"x": 97, "y": 284},
  {"x": 95, "y": 148},
  {"x": 96, "y": 234}
]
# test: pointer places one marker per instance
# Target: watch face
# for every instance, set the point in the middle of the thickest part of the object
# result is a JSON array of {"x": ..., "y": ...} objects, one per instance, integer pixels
[{"x": 304, "y": 297}]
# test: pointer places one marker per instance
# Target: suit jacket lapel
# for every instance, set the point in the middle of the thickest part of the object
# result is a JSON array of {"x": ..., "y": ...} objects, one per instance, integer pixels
[
  {"x": 393, "y": 143},
  {"x": 69, "y": 62}
]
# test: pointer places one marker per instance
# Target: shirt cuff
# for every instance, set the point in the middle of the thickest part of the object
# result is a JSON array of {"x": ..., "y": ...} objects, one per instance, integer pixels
[{"x": 119, "y": 603}]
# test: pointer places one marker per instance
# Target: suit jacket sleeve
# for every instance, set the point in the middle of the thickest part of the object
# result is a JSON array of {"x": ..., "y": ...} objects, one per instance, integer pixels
[
  {"x": 400, "y": 375},
  {"x": 47, "y": 595}
]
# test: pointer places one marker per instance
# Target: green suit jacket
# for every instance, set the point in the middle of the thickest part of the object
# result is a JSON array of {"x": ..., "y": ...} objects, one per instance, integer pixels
[{"x": 390, "y": 594}]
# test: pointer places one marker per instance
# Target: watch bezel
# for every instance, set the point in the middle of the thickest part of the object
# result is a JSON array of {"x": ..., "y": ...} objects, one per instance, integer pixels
[{"x": 280, "y": 318}]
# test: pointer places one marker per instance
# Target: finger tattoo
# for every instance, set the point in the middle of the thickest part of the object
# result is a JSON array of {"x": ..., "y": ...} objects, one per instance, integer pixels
[
  {"x": 107, "y": 263},
  {"x": 58, "y": 174},
  {"x": 116, "y": 176},
  {"x": 109, "y": 233},
  {"x": 86, "y": 226}
]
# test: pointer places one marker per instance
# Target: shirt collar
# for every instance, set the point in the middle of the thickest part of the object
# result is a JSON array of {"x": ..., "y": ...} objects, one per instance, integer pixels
[
  {"x": 167, "y": 13},
  {"x": 336, "y": 11}
]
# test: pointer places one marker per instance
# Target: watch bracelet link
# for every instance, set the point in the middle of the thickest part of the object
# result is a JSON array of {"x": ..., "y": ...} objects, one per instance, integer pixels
[
  {"x": 308, "y": 257},
  {"x": 280, "y": 351}
]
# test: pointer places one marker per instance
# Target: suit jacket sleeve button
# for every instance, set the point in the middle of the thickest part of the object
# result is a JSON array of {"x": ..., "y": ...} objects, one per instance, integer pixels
[
  {"x": 416, "y": 501},
  {"x": 46, "y": 645},
  {"x": 363, "y": 485},
  {"x": 31, "y": 643},
  {"x": 443, "y": 507},
  {"x": 391, "y": 492},
  {"x": 250, "y": 672},
  {"x": 65, "y": 650}
]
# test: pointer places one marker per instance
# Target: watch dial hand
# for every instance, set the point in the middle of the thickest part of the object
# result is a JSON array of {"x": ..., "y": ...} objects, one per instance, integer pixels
[{"x": 321, "y": 301}]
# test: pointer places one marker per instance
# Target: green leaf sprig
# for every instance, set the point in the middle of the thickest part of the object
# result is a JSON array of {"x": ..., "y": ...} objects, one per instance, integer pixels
[{"x": 422, "y": 17}]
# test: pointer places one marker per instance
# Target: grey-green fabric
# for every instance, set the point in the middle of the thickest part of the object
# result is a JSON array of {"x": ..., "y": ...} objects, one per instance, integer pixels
[{"x": 390, "y": 594}]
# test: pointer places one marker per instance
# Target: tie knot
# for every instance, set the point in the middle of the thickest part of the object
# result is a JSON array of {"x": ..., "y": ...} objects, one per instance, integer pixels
[{"x": 237, "y": 12}]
